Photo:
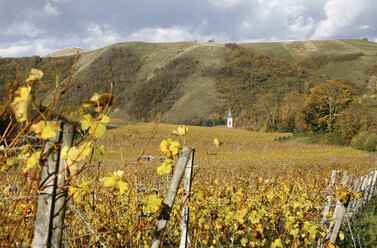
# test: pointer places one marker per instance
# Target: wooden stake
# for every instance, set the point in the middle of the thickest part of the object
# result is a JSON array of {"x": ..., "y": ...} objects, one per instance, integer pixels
[
  {"x": 170, "y": 197},
  {"x": 49, "y": 222},
  {"x": 186, "y": 198}
]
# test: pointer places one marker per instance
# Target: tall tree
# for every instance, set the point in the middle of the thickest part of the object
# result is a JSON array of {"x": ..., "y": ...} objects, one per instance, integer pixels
[{"x": 325, "y": 102}]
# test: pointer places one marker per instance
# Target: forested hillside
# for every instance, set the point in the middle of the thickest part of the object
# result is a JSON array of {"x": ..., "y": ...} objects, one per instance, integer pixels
[{"x": 196, "y": 82}]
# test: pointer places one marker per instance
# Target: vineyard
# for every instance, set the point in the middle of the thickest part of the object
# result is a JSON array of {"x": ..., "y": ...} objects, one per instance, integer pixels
[
  {"x": 77, "y": 184},
  {"x": 248, "y": 191}
]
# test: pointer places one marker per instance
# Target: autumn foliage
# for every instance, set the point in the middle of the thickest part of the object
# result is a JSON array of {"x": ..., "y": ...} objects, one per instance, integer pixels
[{"x": 326, "y": 101}]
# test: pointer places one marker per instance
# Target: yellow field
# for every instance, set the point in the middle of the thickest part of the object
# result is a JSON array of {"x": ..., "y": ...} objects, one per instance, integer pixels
[
  {"x": 251, "y": 191},
  {"x": 242, "y": 151}
]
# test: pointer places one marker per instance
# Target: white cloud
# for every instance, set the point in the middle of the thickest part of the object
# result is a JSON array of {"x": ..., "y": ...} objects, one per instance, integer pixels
[
  {"x": 51, "y": 10},
  {"x": 24, "y": 29},
  {"x": 225, "y": 4},
  {"x": 15, "y": 50},
  {"x": 363, "y": 27},
  {"x": 161, "y": 35},
  {"x": 40, "y": 47},
  {"x": 101, "y": 36},
  {"x": 340, "y": 14},
  {"x": 297, "y": 23}
]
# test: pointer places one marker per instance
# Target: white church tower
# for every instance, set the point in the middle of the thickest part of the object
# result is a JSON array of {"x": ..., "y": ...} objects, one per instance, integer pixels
[{"x": 230, "y": 119}]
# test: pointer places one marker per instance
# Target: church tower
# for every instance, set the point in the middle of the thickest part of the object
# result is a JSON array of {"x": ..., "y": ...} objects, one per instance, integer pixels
[{"x": 230, "y": 119}]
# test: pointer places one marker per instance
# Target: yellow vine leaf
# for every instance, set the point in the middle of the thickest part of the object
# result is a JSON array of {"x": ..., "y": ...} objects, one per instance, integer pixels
[
  {"x": 80, "y": 191},
  {"x": 87, "y": 122},
  {"x": 101, "y": 149},
  {"x": 96, "y": 127},
  {"x": 34, "y": 76},
  {"x": 169, "y": 147},
  {"x": 75, "y": 154},
  {"x": 151, "y": 204},
  {"x": 99, "y": 101},
  {"x": 341, "y": 235},
  {"x": 165, "y": 167},
  {"x": 329, "y": 244},
  {"x": 45, "y": 131},
  {"x": 254, "y": 217},
  {"x": 277, "y": 243},
  {"x": 20, "y": 104},
  {"x": 33, "y": 160},
  {"x": 181, "y": 131},
  {"x": 244, "y": 242},
  {"x": 240, "y": 214},
  {"x": 115, "y": 181},
  {"x": 217, "y": 142}
]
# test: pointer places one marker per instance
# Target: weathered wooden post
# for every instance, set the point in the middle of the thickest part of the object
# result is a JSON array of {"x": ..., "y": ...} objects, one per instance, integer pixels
[
  {"x": 373, "y": 187},
  {"x": 49, "y": 222},
  {"x": 329, "y": 197},
  {"x": 338, "y": 214},
  {"x": 186, "y": 198},
  {"x": 356, "y": 187},
  {"x": 360, "y": 201},
  {"x": 170, "y": 197}
]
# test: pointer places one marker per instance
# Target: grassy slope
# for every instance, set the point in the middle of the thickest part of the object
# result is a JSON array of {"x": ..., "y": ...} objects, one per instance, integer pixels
[
  {"x": 295, "y": 51},
  {"x": 199, "y": 94}
]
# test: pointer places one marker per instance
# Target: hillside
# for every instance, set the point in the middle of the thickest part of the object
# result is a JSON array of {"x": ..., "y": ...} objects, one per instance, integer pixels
[{"x": 182, "y": 79}]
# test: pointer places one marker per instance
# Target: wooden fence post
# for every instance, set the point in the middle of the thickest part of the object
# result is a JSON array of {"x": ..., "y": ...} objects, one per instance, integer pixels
[
  {"x": 186, "y": 198},
  {"x": 360, "y": 202},
  {"x": 356, "y": 188},
  {"x": 170, "y": 197},
  {"x": 373, "y": 187},
  {"x": 327, "y": 207},
  {"x": 49, "y": 222},
  {"x": 338, "y": 214}
]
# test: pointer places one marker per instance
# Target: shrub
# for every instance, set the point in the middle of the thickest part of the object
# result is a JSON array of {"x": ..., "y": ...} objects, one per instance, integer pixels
[{"x": 366, "y": 140}]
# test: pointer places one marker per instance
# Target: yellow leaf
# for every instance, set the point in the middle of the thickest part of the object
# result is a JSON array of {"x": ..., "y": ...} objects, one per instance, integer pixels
[
  {"x": 329, "y": 244},
  {"x": 341, "y": 235},
  {"x": 49, "y": 131},
  {"x": 87, "y": 122},
  {"x": 277, "y": 243},
  {"x": 181, "y": 131},
  {"x": 165, "y": 167},
  {"x": 101, "y": 149},
  {"x": 115, "y": 181},
  {"x": 43, "y": 131},
  {"x": 174, "y": 148},
  {"x": 105, "y": 119},
  {"x": 244, "y": 242},
  {"x": 97, "y": 129},
  {"x": 151, "y": 204},
  {"x": 110, "y": 182},
  {"x": 20, "y": 105},
  {"x": 33, "y": 160},
  {"x": 240, "y": 214},
  {"x": 164, "y": 147},
  {"x": 123, "y": 186},
  {"x": 34, "y": 76},
  {"x": 99, "y": 101},
  {"x": 254, "y": 217},
  {"x": 217, "y": 142},
  {"x": 169, "y": 147}
]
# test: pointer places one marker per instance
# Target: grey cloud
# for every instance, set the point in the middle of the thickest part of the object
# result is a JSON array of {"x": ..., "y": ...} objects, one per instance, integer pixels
[{"x": 57, "y": 24}]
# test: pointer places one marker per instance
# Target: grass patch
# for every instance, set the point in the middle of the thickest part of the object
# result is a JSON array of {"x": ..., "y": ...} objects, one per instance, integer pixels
[
  {"x": 364, "y": 226},
  {"x": 365, "y": 46},
  {"x": 273, "y": 49}
]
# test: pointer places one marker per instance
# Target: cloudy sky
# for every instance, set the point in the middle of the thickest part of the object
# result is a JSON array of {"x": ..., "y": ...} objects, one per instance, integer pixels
[{"x": 39, "y": 27}]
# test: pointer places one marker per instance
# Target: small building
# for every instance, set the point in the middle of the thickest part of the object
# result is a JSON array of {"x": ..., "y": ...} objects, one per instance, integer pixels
[{"x": 230, "y": 119}]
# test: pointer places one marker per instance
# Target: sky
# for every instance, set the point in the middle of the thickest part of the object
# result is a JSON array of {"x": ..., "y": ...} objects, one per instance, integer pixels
[{"x": 40, "y": 27}]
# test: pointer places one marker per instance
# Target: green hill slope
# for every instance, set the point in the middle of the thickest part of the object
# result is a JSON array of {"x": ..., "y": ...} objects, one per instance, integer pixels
[{"x": 182, "y": 79}]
